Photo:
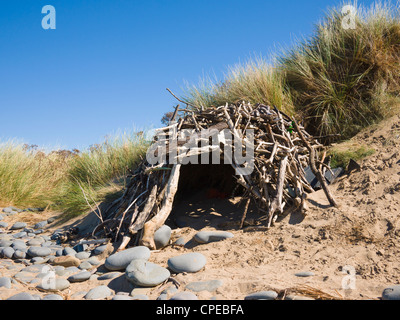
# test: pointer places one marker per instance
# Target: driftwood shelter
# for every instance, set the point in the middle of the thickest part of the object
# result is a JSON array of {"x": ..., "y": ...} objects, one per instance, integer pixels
[{"x": 263, "y": 151}]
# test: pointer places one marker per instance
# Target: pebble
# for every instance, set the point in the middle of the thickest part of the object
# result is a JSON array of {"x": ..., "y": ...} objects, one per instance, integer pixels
[
  {"x": 22, "y": 296},
  {"x": 19, "y": 254},
  {"x": 188, "y": 262},
  {"x": 262, "y": 295},
  {"x": 8, "y": 252},
  {"x": 210, "y": 285},
  {"x": 391, "y": 293},
  {"x": 120, "y": 260},
  {"x": 79, "y": 277},
  {"x": 109, "y": 275},
  {"x": 85, "y": 265},
  {"x": 53, "y": 296},
  {"x": 5, "y": 282},
  {"x": 38, "y": 252},
  {"x": 3, "y": 224},
  {"x": 304, "y": 274},
  {"x": 180, "y": 241},
  {"x": 211, "y": 236},
  {"x": 93, "y": 261},
  {"x": 40, "y": 224},
  {"x": 100, "y": 249},
  {"x": 82, "y": 255},
  {"x": 162, "y": 236},
  {"x": 5, "y": 243},
  {"x": 139, "y": 297},
  {"x": 80, "y": 247},
  {"x": 100, "y": 292},
  {"x": 1, "y": 217},
  {"x": 68, "y": 251},
  {"x": 184, "y": 295},
  {"x": 36, "y": 242},
  {"x": 18, "y": 225},
  {"x": 121, "y": 297},
  {"x": 146, "y": 274},
  {"x": 19, "y": 235},
  {"x": 57, "y": 284}
]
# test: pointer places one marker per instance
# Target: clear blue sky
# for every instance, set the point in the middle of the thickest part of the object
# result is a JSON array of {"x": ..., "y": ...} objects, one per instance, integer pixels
[{"x": 107, "y": 64}]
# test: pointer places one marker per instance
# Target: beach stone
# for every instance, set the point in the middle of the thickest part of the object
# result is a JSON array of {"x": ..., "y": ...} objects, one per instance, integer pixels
[
  {"x": 38, "y": 252},
  {"x": 210, "y": 285},
  {"x": 85, "y": 265},
  {"x": 36, "y": 242},
  {"x": 68, "y": 251},
  {"x": 7, "y": 210},
  {"x": 36, "y": 268},
  {"x": 146, "y": 274},
  {"x": 304, "y": 274},
  {"x": 120, "y": 260},
  {"x": 262, "y": 295},
  {"x": 22, "y": 296},
  {"x": 139, "y": 297},
  {"x": 109, "y": 275},
  {"x": 53, "y": 296},
  {"x": 1, "y": 217},
  {"x": 66, "y": 261},
  {"x": 100, "y": 292},
  {"x": 391, "y": 293},
  {"x": 18, "y": 225},
  {"x": 121, "y": 297},
  {"x": 93, "y": 261},
  {"x": 39, "y": 260},
  {"x": 55, "y": 284},
  {"x": 180, "y": 241},
  {"x": 211, "y": 236},
  {"x": 3, "y": 224},
  {"x": 188, "y": 262},
  {"x": 184, "y": 295},
  {"x": 5, "y": 243},
  {"x": 40, "y": 224},
  {"x": 8, "y": 252},
  {"x": 162, "y": 236},
  {"x": 19, "y": 235},
  {"x": 24, "y": 276},
  {"x": 5, "y": 282},
  {"x": 82, "y": 255},
  {"x": 79, "y": 277},
  {"x": 51, "y": 219},
  {"x": 100, "y": 249},
  {"x": 19, "y": 254}
]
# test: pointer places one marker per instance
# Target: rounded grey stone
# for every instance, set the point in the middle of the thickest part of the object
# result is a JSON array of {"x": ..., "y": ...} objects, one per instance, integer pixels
[
  {"x": 162, "y": 236},
  {"x": 304, "y": 274},
  {"x": 18, "y": 225},
  {"x": 19, "y": 245},
  {"x": 19, "y": 254},
  {"x": 40, "y": 224},
  {"x": 3, "y": 224},
  {"x": 212, "y": 236},
  {"x": 100, "y": 292},
  {"x": 184, "y": 295},
  {"x": 22, "y": 296},
  {"x": 82, "y": 255},
  {"x": 180, "y": 241},
  {"x": 188, "y": 262},
  {"x": 19, "y": 235},
  {"x": 146, "y": 274},
  {"x": 120, "y": 260},
  {"x": 53, "y": 296},
  {"x": 109, "y": 275},
  {"x": 8, "y": 252},
  {"x": 262, "y": 295},
  {"x": 140, "y": 297},
  {"x": 5, "y": 282},
  {"x": 68, "y": 251},
  {"x": 79, "y": 277},
  {"x": 5, "y": 243},
  {"x": 93, "y": 261},
  {"x": 391, "y": 293},
  {"x": 38, "y": 252},
  {"x": 121, "y": 297},
  {"x": 80, "y": 247},
  {"x": 100, "y": 249},
  {"x": 57, "y": 284}
]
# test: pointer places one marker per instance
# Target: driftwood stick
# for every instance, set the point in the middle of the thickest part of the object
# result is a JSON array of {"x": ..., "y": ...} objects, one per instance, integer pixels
[
  {"x": 133, "y": 228},
  {"x": 157, "y": 221},
  {"x": 314, "y": 169},
  {"x": 276, "y": 203},
  {"x": 244, "y": 213}
]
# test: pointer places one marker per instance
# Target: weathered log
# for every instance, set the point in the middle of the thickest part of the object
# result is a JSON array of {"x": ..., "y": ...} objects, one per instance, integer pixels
[{"x": 158, "y": 220}]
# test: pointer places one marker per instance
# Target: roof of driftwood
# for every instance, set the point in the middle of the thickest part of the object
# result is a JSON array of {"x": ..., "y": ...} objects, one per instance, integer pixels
[{"x": 273, "y": 177}]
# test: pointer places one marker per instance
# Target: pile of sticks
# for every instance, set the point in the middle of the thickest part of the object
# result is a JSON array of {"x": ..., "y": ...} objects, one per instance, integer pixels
[{"x": 282, "y": 150}]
